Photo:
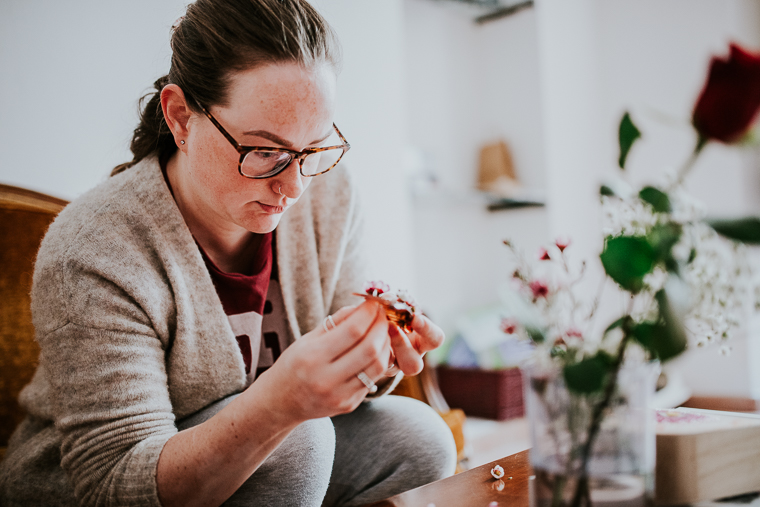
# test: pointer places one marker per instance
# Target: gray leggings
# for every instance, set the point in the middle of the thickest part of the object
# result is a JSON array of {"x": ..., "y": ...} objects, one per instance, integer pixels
[{"x": 382, "y": 448}]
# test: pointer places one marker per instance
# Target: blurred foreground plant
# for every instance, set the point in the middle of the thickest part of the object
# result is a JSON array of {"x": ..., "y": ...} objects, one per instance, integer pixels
[{"x": 658, "y": 249}]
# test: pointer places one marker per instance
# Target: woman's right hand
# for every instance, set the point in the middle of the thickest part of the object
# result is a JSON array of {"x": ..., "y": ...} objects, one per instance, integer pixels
[{"x": 317, "y": 375}]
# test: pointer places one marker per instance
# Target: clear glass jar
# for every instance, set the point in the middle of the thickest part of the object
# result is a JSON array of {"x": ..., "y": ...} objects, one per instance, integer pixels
[{"x": 620, "y": 464}]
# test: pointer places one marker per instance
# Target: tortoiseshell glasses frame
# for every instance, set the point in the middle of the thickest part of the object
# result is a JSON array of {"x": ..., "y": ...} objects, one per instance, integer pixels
[{"x": 294, "y": 155}]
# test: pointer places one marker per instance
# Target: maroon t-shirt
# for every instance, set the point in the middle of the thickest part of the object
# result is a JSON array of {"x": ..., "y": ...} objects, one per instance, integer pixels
[
  {"x": 253, "y": 304},
  {"x": 244, "y": 298}
]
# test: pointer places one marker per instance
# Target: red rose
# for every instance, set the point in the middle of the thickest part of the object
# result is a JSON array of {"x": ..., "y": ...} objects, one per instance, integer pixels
[{"x": 731, "y": 97}]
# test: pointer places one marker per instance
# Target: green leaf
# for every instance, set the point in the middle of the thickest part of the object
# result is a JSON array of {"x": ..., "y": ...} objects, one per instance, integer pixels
[
  {"x": 627, "y": 135},
  {"x": 627, "y": 259},
  {"x": 618, "y": 323},
  {"x": 745, "y": 230},
  {"x": 606, "y": 191},
  {"x": 536, "y": 335},
  {"x": 663, "y": 237},
  {"x": 658, "y": 199},
  {"x": 664, "y": 339},
  {"x": 588, "y": 375},
  {"x": 676, "y": 341}
]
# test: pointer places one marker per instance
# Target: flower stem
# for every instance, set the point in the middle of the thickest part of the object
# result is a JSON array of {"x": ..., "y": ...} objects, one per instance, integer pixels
[
  {"x": 689, "y": 164},
  {"x": 582, "y": 495}
]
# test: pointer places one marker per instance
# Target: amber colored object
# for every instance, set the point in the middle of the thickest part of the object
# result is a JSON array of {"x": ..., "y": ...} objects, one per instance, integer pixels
[
  {"x": 24, "y": 218},
  {"x": 398, "y": 312}
]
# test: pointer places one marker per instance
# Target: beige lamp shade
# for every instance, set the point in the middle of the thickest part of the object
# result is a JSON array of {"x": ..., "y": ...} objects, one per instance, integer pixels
[{"x": 496, "y": 171}]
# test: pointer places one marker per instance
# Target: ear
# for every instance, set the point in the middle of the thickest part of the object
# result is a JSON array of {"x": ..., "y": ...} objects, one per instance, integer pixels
[{"x": 177, "y": 113}]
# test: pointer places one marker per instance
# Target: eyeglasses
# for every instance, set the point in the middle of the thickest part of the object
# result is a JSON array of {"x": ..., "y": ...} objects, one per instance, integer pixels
[{"x": 259, "y": 162}]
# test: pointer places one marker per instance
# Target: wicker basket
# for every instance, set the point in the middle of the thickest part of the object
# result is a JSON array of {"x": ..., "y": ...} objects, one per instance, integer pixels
[{"x": 492, "y": 394}]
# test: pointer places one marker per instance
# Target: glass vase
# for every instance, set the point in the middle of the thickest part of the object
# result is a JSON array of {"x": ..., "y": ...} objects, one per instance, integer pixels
[{"x": 618, "y": 467}]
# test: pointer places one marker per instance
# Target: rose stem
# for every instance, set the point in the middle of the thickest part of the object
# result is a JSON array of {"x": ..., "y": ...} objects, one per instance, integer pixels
[{"x": 684, "y": 171}]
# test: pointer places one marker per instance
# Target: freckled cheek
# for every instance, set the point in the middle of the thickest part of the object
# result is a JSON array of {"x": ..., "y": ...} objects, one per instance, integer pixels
[{"x": 217, "y": 177}]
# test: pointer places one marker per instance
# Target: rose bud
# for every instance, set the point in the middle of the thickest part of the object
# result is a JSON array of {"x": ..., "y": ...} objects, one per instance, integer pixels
[
  {"x": 562, "y": 243},
  {"x": 730, "y": 99},
  {"x": 539, "y": 288},
  {"x": 508, "y": 326}
]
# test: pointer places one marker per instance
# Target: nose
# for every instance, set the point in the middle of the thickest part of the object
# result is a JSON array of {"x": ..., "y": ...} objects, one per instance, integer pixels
[{"x": 289, "y": 182}]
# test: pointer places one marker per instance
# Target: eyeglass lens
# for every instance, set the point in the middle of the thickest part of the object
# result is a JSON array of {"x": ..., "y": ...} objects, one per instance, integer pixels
[{"x": 260, "y": 163}]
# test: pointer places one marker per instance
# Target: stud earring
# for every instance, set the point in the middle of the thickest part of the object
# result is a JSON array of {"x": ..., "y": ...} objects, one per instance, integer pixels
[{"x": 182, "y": 142}]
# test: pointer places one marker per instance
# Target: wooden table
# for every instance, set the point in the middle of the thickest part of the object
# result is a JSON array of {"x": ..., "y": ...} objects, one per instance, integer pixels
[{"x": 476, "y": 487}]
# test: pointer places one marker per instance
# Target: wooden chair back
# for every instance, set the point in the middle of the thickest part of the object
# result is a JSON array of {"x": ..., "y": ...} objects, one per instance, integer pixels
[{"x": 24, "y": 218}]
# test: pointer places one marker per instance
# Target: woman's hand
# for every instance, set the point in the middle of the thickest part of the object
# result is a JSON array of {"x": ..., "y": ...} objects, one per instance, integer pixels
[
  {"x": 316, "y": 376},
  {"x": 409, "y": 348}
]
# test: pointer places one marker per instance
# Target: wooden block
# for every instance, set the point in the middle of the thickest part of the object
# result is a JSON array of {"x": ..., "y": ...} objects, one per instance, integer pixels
[{"x": 706, "y": 455}]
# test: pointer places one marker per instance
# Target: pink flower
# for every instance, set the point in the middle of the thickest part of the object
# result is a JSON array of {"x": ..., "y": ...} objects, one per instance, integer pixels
[
  {"x": 574, "y": 332},
  {"x": 508, "y": 326},
  {"x": 376, "y": 288},
  {"x": 562, "y": 243},
  {"x": 406, "y": 298},
  {"x": 539, "y": 288},
  {"x": 543, "y": 254}
]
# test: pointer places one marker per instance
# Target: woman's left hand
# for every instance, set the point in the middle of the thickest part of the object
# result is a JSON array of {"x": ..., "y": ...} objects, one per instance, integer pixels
[{"x": 409, "y": 348}]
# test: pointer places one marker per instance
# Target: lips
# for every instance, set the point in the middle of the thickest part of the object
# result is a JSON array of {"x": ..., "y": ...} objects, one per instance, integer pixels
[{"x": 271, "y": 209}]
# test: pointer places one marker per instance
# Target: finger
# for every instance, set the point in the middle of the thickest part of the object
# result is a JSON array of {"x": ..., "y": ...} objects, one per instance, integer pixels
[
  {"x": 429, "y": 336},
  {"x": 393, "y": 368},
  {"x": 408, "y": 358},
  {"x": 375, "y": 368},
  {"x": 344, "y": 336},
  {"x": 343, "y": 313},
  {"x": 373, "y": 348},
  {"x": 331, "y": 321}
]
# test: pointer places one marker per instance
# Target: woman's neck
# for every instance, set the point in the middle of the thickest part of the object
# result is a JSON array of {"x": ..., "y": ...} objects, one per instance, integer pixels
[{"x": 228, "y": 245}]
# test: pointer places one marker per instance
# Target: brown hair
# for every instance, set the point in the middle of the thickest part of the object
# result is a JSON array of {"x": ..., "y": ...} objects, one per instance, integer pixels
[{"x": 218, "y": 37}]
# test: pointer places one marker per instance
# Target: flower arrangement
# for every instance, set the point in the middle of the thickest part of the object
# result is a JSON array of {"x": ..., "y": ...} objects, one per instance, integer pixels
[{"x": 658, "y": 249}]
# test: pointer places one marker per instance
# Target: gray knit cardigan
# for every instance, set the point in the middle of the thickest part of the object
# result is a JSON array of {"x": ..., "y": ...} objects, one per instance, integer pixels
[{"x": 133, "y": 335}]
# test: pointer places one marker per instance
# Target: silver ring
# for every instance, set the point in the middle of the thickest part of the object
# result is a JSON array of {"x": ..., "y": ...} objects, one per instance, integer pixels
[
  {"x": 328, "y": 320},
  {"x": 367, "y": 382}
]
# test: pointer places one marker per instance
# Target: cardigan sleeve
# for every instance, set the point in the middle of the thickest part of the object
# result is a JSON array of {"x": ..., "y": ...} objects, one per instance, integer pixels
[
  {"x": 93, "y": 299},
  {"x": 112, "y": 408}
]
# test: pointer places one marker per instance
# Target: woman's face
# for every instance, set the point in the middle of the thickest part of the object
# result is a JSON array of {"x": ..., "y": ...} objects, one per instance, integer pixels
[{"x": 277, "y": 105}]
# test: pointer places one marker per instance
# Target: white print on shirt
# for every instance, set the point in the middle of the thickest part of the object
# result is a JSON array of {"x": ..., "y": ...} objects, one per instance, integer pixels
[
  {"x": 248, "y": 324},
  {"x": 275, "y": 327}
]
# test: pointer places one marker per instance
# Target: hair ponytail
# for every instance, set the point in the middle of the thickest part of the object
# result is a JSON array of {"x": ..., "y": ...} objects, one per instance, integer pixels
[
  {"x": 152, "y": 135},
  {"x": 218, "y": 37}
]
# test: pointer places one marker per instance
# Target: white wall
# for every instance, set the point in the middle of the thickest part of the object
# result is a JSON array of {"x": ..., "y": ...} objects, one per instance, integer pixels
[
  {"x": 72, "y": 73},
  {"x": 71, "y": 76},
  {"x": 468, "y": 85},
  {"x": 654, "y": 58},
  {"x": 371, "y": 104}
]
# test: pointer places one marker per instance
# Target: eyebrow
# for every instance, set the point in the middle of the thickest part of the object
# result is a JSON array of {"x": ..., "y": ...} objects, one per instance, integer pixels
[{"x": 279, "y": 140}]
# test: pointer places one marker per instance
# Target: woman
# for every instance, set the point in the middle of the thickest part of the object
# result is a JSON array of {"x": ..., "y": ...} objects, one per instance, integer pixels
[{"x": 163, "y": 300}]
